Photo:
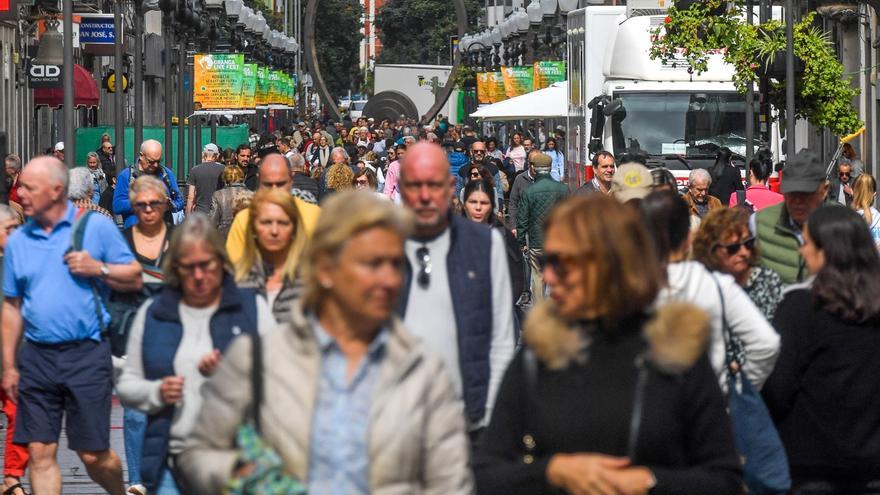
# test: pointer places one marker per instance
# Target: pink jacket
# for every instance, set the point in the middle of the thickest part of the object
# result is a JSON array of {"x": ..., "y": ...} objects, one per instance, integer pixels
[
  {"x": 759, "y": 196},
  {"x": 392, "y": 189}
]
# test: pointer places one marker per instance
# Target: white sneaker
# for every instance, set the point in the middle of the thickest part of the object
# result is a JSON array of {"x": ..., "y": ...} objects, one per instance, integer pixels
[{"x": 137, "y": 490}]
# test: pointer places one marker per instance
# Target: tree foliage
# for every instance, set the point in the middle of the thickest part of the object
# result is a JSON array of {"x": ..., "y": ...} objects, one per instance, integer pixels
[
  {"x": 337, "y": 42},
  {"x": 825, "y": 93},
  {"x": 418, "y": 31}
]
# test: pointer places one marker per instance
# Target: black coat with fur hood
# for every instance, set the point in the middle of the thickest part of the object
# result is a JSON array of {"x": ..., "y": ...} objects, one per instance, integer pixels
[{"x": 581, "y": 400}]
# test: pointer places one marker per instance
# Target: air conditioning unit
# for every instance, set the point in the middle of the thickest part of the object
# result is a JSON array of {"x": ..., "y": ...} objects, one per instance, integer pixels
[{"x": 635, "y": 8}]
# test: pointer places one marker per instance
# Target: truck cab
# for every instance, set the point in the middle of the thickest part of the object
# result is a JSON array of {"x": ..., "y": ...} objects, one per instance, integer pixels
[{"x": 622, "y": 101}]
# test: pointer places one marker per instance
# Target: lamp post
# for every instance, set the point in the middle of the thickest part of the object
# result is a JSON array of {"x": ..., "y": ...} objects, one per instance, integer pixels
[
  {"x": 118, "y": 100},
  {"x": 535, "y": 17},
  {"x": 789, "y": 81},
  {"x": 67, "y": 79},
  {"x": 137, "y": 79},
  {"x": 167, "y": 6}
]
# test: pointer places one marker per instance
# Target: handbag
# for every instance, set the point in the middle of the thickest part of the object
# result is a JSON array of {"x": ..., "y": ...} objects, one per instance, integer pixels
[
  {"x": 765, "y": 463},
  {"x": 267, "y": 477}
]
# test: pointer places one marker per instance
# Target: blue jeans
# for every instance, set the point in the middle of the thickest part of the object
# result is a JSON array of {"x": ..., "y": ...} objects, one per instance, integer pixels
[
  {"x": 134, "y": 423},
  {"x": 167, "y": 486}
]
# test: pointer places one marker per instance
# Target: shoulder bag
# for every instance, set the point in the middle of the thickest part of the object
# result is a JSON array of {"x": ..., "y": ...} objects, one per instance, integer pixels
[{"x": 765, "y": 463}]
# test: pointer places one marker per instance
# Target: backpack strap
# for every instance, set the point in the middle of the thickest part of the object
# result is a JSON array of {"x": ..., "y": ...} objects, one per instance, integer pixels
[
  {"x": 741, "y": 198},
  {"x": 256, "y": 378},
  {"x": 78, "y": 232}
]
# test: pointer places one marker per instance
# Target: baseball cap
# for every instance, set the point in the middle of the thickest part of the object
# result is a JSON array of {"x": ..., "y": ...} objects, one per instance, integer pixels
[
  {"x": 540, "y": 160},
  {"x": 631, "y": 181},
  {"x": 211, "y": 148},
  {"x": 59, "y": 146},
  {"x": 803, "y": 173}
]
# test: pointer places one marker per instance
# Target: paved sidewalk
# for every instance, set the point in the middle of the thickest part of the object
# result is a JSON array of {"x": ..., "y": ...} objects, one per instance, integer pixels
[{"x": 76, "y": 480}]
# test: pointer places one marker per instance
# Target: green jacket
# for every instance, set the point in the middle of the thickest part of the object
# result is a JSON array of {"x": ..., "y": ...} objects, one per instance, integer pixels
[
  {"x": 534, "y": 206},
  {"x": 779, "y": 244}
]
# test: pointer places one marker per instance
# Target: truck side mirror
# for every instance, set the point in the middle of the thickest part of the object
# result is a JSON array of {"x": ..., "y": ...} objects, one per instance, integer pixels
[{"x": 613, "y": 107}]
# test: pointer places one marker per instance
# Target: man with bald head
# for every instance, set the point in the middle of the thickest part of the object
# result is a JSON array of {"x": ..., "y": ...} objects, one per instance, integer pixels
[
  {"x": 274, "y": 174},
  {"x": 149, "y": 163},
  {"x": 457, "y": 294},
  {"x": 54, "y": 296}
]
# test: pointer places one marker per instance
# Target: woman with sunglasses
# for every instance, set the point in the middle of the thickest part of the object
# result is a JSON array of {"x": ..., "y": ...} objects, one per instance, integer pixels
[
  {"x": 148, "y": 240},
  {"x": 478, "y": 172},
  {"x": 724, "y": 244},
  {"x": 608, "y": 395},
  {"x": 190, "y": 322},
  {"x": 666, "y": 216},
  {"x": 824, "y": 395}
]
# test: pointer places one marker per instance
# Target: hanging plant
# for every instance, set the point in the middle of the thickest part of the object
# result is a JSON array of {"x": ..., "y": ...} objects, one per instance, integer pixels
[{"x": 825, "y": 94}]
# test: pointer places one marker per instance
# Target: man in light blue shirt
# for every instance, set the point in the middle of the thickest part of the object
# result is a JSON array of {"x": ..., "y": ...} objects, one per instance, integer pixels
[{"x": 65, "y": 366}]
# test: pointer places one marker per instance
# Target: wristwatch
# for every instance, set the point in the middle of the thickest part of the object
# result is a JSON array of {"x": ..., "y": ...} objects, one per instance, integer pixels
[{"x": 105, "y": 270}]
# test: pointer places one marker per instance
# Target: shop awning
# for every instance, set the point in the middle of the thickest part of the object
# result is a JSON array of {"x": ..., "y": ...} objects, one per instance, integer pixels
[
  {"x": 85, "y": 91},
  {"x": 545, "y": 103}
]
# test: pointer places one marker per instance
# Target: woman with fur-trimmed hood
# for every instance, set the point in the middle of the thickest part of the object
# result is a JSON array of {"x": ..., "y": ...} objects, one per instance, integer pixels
[{"x": 608, "y": 395}]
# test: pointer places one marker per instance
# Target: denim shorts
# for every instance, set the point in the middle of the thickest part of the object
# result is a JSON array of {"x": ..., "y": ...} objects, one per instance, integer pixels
[{"x": 73, "y": 379}]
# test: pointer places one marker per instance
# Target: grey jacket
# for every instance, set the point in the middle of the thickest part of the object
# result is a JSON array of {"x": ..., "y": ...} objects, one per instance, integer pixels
[
  {"x": 226, "y": 203},
  {"x": 417, "y": 439},
  {"x": 520, "y": 184}
]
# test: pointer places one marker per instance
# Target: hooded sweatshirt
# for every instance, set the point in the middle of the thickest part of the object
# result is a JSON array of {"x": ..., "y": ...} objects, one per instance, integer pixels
[{"x": 690, "y": 281}]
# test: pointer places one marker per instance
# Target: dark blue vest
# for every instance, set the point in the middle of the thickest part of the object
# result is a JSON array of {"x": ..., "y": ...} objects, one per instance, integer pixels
[
  {"x": 163, "y": 331},
  {"x": 468, "y": 265}
]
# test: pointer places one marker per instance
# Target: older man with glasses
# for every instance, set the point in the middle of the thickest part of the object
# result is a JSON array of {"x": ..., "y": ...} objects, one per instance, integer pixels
[
  {"x": 457, "y": 293},
  {"x": 149, "y": 163}
]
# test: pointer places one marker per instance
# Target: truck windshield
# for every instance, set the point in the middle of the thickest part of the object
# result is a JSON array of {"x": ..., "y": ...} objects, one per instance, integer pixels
[{"x": 689, "y": 124}]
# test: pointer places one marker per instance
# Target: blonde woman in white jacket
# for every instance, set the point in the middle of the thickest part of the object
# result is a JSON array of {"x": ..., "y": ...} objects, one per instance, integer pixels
[{"x": 666, "y": 216}]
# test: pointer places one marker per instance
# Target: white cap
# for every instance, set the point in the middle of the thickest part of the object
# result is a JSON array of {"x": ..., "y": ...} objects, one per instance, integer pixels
[
  {"x": 211, "y": 148},
  {"x": 59, "y": 146}
]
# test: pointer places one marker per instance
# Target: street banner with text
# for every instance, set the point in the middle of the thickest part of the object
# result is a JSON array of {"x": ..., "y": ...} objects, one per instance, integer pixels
[
  {"x": 218, "y": 81},
  {"x": 490, "y": 87},
  {"x": 548, "y": 72},
  {"x": 262, "y": 95},
  {"x": 249, "y": 86},
  {"x": 517, "y": 80}
]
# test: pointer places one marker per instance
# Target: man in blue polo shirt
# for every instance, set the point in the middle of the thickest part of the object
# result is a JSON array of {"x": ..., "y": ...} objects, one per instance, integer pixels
[{"x": 64, "y": 365}]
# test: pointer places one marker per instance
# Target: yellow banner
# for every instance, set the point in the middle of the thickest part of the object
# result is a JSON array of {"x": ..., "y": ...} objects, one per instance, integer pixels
[{"x": 218, "y": 80}]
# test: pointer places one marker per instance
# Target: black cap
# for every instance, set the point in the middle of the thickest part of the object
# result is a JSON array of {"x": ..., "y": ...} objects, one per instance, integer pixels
[{"x": 803, "y": 173}]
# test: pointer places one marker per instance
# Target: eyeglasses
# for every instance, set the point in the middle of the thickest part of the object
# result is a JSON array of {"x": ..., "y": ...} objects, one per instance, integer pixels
[
  {"x": 205, "y": 266},
  {"x": 478, "y": 152},
  {"x": 424, "y": 277},
  {"x": 143, "y": 205},
  {"x": 735, "y": 247},
  {"x": 152, "y": 162},
  {"x": 560, "y": 263}
]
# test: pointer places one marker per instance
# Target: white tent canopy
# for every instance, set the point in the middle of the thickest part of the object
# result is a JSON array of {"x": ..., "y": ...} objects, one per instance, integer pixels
[{"x": 542, "y": 104}]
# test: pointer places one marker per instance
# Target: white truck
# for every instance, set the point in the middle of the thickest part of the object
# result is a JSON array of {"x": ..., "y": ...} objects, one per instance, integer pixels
[{"x": 622, "y": 101}]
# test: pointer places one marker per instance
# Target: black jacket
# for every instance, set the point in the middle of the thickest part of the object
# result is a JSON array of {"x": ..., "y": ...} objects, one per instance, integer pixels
[
  {"x": 685, "y": 436},
  {"x": 303, "y": 182},
  {"x": 729, "y": 181},
  {"x": 824, "y": 393}
]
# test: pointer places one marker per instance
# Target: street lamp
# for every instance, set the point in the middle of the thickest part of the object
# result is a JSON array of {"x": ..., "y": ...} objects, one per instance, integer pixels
[
  {"x": 548, "y": 8},
  {"x": 534, "y": 12},
  {"x": 566, "y": 6},
  {"x": 233, "y": 9}
]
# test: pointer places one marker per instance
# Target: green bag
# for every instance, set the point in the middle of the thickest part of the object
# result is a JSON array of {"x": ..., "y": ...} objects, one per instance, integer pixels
[{"x": 268, "y": 477}]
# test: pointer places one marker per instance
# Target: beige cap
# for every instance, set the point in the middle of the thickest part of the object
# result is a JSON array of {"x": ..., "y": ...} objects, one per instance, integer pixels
[
  {"x": 631, "y": 181},
  {"x": 540, "y": 160}
]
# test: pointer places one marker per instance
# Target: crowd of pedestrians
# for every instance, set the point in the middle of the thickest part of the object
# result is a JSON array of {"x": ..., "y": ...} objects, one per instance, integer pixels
[{"x": 384, "y": 308}]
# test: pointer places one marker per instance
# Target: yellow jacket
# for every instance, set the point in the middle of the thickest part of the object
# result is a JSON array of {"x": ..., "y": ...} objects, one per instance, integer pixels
[{"x": 235, "y": 240}]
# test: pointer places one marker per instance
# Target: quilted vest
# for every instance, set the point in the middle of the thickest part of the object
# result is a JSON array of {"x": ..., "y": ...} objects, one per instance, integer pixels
[
  {"x": 779, "y": 244},
  {"x": 468, "y": 265},
  {"x": 163, "y": 331}
]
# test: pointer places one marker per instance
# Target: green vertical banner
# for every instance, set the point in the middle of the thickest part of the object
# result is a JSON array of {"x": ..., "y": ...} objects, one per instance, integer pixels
[
  {"x": 548, "y": 72},
  {"x": 249, "y": 86},
  {"x": 517, "y": 80},
  {"x": 262, "y": 94},
  {"x": 218, "y": 80},
  {"x": 274, "y": 87}
]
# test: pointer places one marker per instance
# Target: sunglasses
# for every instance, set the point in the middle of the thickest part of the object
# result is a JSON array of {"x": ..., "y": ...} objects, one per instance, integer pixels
[
  {"x": 736, "y": 246},
  {"x": 205, "y": 266},
  {"x": 143, "y": 205},
  {"x": 424, "y": 276},
  {"x": 559, "y": 263},
  {"x": 844, "y": 174},
  {"x": 479, "y": 152},
  {"x": 362, "y": 182},
  {"x": 475, "y": 174}
]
